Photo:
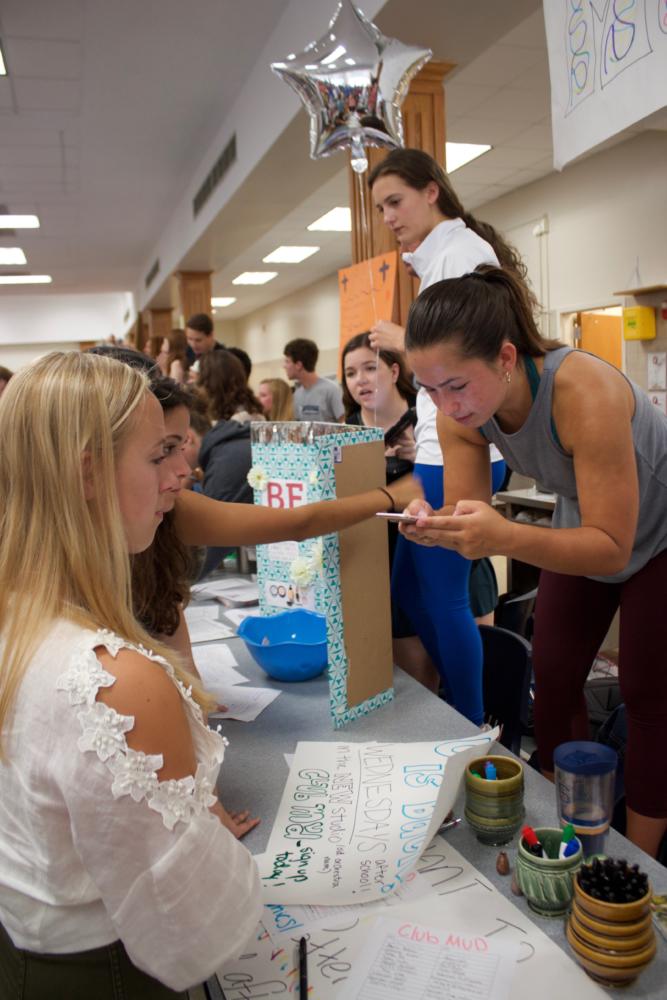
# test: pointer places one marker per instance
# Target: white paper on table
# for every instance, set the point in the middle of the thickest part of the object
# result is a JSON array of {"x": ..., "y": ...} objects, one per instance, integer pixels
[
  {"x": 231, "y": 589},
  {"x": 246, "y": 703},
  {"x": 354, "y": 817},
  {"x": 199, "y": 612},
  {"x": 204, "y": 630},
  {"x": 237, "y": 615},
  {"x": 289, "y": 758},
  {"x": 287, "y": 920},
  {"x": 215, "y": 664},
  {"x": 408, "y": 961},
  {"x": 460, "y": 897}
]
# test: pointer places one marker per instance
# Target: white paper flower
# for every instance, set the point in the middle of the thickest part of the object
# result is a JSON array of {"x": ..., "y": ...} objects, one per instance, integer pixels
[
  {"x": 257, "y": 478},
  {"x": 312, "y": 477},
  {"x": 301, "y": 571},
  {"x": 316, "y": 556}
]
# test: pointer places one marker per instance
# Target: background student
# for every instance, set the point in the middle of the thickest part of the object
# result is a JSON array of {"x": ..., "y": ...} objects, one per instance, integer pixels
[
  {"x": 416, "y": 201},
  {"x": 315, "y": 398}
]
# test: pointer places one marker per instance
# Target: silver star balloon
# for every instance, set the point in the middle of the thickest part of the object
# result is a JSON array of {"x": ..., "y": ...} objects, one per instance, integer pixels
[{"x": 352, "y": 82}]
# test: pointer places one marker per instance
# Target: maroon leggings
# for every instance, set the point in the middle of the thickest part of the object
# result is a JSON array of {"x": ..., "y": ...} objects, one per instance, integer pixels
[{"x": 572, "y": 616}]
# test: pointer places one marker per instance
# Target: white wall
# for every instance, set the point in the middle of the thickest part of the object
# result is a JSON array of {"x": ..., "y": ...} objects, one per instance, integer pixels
[
  {"x": 603, "y": 213},
  {"x": 312, "y": 312},
  {"x": 30, "y": 325}
]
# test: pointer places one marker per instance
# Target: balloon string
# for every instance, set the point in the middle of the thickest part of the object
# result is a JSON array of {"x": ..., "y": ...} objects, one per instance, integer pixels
[{"x": 366, "y": 251}]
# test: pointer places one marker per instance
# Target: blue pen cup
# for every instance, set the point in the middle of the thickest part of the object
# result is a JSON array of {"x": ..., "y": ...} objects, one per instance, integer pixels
[{"x": 494, "y": 809}]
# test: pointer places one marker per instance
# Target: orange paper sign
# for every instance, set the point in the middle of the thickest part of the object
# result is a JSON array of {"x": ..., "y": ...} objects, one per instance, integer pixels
[{"x": 366, "y": 293}]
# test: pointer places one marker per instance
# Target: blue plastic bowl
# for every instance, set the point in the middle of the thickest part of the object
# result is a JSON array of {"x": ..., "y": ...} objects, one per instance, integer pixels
[{"x": 297, "y": 646}]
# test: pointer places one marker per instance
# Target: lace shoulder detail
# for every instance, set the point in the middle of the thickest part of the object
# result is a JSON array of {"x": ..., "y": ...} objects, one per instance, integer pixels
[{"x": 103, "y": 733}]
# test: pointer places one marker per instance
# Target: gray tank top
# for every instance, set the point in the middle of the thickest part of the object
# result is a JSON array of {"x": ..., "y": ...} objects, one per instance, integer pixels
[{"x": 534, "y": 451}]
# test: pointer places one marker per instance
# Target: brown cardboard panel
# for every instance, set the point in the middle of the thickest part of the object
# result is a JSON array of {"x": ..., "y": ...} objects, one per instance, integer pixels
[{"x": 364, "y": 578}]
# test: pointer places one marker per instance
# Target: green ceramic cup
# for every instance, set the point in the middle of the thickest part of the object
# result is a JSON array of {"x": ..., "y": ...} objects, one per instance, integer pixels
[
  {"x": 494, "y": 809},
  {"x": 547, "y": 883}
]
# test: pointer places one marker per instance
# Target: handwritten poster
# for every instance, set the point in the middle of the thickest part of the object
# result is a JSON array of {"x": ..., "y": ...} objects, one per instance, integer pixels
[
  {"x": 354, "y": 817},
  {"x": 366, "y": 294},
  {"x": 459, "y": 897},
  {"x": 608, "y": 68}
]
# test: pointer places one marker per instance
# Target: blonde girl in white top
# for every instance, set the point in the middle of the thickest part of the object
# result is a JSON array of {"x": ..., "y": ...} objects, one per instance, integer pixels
[{"x": 108, "y": 825}]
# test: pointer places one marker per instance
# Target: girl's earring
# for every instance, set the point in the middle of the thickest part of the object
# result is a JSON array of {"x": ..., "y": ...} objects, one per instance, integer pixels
[{"x": 508, "y": 377}]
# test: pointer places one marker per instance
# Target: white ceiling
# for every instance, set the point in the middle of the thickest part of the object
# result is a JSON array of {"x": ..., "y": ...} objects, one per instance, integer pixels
[{"x": 109, "y": 106}]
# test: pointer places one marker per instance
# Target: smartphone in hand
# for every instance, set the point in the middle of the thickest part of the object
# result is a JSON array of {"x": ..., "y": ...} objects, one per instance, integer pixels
[{"x": 399, "y": 518}]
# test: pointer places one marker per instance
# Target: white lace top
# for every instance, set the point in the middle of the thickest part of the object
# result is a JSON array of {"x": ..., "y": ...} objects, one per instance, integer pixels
[{"x": 93, "y": 847}]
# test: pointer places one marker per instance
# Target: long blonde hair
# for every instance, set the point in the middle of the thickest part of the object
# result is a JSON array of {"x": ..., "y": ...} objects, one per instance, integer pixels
[
  {"x": 62, "y": 423},
  {"x": 282, "y": 405}
]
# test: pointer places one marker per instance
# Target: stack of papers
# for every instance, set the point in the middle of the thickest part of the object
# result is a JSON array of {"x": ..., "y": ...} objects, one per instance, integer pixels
[
  {"x": 216, "y": 665},
  {"x": 233, "y": 592}
]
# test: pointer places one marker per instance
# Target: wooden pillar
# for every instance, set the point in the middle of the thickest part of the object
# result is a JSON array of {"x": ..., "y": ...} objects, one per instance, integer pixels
[
  {"x": 194, "y": 293},
  {"x": 423, "y": 128},
  {"x": 159, "y": 321}
]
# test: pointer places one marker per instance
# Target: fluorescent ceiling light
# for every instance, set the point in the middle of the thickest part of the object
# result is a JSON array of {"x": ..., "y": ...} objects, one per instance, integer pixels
[
  {"x": 338, "y": 220},
  {"x": 19, "y": 222},
  {"x": 255, "y": 277},
  {"x": 289, "y": 255},
  {"x": 339, "y": 51},
  {"x": 223, "y": 302},
  {"x": 12, "y": 255},
  {"x": 25, "y": 279},
  {"x": 3, "y": 67},
  {"x": 457, "y": 154}
]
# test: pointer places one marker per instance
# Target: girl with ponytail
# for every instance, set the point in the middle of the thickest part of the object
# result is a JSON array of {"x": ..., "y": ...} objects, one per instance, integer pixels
[{"x": 592, "y": 437}]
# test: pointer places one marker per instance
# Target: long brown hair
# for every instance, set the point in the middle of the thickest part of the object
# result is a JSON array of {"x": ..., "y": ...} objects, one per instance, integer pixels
[
  {"x": 417, "y": 169},
  {"x": 481, "y": 311},
  {"x": 222, "y": 378},
  {"x": 178, "y": 348},
  {"x": 161, "y": 575},
  {"x": 403, "y": 383}
]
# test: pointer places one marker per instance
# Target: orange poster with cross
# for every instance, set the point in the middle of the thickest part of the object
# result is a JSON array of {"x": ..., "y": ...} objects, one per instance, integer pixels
[{"x": 366, "y": 294}]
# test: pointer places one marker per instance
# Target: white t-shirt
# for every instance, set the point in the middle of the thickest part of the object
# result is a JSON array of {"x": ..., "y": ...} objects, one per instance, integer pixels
[
  {"x": 449, "y": 250},
  {"x": 93, "y": 847}
]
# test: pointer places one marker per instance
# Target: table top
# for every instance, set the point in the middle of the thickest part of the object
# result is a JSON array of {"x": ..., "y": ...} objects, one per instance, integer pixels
[{"x": 254, "y": 773}]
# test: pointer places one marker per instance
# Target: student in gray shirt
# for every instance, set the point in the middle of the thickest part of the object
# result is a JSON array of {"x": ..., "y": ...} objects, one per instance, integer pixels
[{"x": 315, "y": 398}]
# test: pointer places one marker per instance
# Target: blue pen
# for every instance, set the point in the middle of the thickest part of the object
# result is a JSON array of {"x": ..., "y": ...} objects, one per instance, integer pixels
[{"x": 490, "y": 770}]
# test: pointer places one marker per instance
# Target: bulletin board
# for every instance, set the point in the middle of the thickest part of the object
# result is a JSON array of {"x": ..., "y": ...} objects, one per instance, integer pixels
[{"x": 366, "y": 294}]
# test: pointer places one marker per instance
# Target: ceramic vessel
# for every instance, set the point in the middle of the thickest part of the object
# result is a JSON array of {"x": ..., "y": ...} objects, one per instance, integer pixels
[
  {"x": 494, "y": 809},
  {"x": 613, "y": 942},
  {"x": 547, "y": 883}
]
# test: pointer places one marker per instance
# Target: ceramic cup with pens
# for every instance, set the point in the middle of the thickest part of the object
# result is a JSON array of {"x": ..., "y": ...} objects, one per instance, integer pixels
[
  {"x": 494, "y": 805},
  {"x": 546, "y": 878}
]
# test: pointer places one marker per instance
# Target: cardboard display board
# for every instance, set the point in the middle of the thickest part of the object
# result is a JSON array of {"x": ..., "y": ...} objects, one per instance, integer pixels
[
  {"x": 344, "y": 577},
  {"x": 364, "y": 574}
]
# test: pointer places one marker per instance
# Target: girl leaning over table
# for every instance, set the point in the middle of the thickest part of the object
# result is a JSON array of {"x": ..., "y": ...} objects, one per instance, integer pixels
[
  {"x": 578, "y": 425},
  {"x": 108, "y": 824}
]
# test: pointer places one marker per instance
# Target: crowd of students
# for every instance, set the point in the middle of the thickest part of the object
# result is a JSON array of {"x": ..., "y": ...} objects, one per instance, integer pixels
[{"x": 118, "y": 465}]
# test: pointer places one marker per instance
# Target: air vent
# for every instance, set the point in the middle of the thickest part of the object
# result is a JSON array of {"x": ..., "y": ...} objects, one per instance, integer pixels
[
  {"x": 153, "y": 271},
  {"x": 221, "y": 166}
]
